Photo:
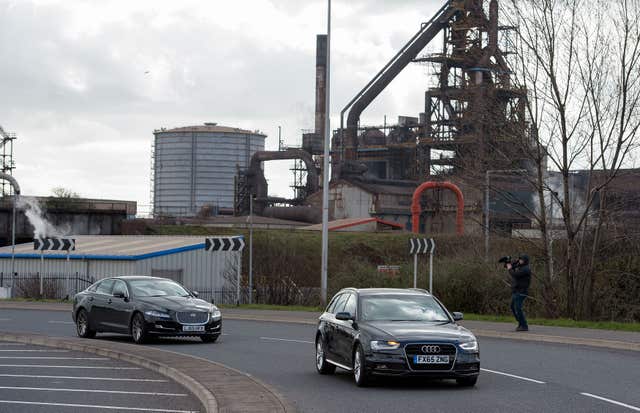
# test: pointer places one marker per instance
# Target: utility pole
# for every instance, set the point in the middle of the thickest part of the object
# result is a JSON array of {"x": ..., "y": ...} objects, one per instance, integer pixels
[{"x": 325, "y": 172}]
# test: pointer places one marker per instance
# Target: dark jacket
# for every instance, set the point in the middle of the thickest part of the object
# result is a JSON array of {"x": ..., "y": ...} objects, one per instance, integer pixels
[{"x": 521, "y": 277}]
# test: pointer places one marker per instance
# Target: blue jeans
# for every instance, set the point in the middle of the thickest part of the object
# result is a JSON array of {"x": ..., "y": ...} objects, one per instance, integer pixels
[{"x": 517, "y": 300}]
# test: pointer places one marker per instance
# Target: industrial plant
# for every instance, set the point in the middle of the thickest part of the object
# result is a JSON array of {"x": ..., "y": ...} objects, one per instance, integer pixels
[{"x": 471, "y": 135}]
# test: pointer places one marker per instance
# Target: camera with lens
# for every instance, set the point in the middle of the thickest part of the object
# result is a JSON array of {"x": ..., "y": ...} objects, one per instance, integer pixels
[{"x": 509, "y": 260}]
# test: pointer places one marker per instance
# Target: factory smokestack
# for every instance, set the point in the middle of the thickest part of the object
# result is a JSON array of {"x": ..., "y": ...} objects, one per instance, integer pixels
[{"x": 321, "y": 83}]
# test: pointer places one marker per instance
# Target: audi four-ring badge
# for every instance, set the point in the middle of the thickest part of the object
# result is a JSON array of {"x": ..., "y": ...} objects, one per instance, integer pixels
[
  {"x": 144, "y": 307},
  {"x": 395, "y": 332}
]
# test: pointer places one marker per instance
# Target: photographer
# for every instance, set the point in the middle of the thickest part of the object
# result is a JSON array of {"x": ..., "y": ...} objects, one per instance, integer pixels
[{"x": 520, "y": 281}]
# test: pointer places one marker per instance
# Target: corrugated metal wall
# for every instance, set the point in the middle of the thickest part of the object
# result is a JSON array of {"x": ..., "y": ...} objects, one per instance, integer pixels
[
  {"x": 199, "y": 270},
  {"x": 193, "y": 169}
]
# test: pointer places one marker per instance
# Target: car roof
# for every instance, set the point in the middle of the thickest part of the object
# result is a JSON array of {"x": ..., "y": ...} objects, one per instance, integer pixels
[
  {"x": 386, "y": 291},
  {"x": 135, "y": 277}
]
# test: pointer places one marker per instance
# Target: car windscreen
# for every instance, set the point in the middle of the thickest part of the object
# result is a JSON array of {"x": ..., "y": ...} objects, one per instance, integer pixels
[
  {"x": 401, "y": 308},
  {"x": 157, "y": 288}
]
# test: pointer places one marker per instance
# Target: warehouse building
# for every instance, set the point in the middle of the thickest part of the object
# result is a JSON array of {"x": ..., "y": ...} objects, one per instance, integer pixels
[{"x": 181, "y": 258}]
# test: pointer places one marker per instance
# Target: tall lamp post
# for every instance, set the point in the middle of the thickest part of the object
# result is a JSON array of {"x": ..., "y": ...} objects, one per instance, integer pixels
[{"x": 325, "y": 169}]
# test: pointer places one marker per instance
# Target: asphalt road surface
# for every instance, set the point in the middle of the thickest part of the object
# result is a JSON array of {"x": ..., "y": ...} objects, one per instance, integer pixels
[
  {"x": 37, "y": 379},
  {"x": 516, "y": 376}
]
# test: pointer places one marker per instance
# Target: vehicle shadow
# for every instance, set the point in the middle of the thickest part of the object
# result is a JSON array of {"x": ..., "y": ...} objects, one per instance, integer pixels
[
  {"x": 404, "y": 383},
  {"x": 178, "y": 341}
]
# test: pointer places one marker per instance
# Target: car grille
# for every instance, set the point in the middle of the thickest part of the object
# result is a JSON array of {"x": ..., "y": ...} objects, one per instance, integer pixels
[
  {"x": 192, "y": 317},
  {"x": 443, "y": 349}
]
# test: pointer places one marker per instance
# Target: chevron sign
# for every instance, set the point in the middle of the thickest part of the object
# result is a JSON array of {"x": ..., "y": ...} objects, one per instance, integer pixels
[
  {"x": 54, "y": 244},
  {"x": 421, "y": 246},
  {"x": 224, "y": 244}
]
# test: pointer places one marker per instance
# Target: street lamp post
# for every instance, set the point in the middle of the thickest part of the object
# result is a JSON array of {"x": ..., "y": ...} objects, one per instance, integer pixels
[{"x": 325, "y": 172}]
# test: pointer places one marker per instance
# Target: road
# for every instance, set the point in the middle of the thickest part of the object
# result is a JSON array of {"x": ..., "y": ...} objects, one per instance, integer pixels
[
  {"x": 517, "y": 376},
  {"x": 44, "y": 379}
]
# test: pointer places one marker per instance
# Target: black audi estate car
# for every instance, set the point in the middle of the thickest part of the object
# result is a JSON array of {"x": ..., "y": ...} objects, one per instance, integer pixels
[
  {"x": 143, "y": 307},
  {"x": 395, "y": 332}
]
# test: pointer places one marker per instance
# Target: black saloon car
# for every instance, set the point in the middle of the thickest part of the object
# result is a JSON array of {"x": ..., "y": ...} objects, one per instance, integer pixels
[
  {"x": 143, "y": 307},
  {"x": 395, "y": 332}
]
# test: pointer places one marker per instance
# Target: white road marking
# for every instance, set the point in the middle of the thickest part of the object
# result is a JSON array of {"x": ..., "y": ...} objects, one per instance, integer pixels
[
  {"x": 54, "y": 358},
  {"x": 11, "y": 344},
  {"x": 60, "y": 322},
  {"x": 93, "y": 406},
  {"x": 514, "y": 376},
  {"x": 285, "y": 339},
  {"x": 628, "y": 406},
  {"x": 5, "y": 319},
  {"x": 35, "y": 351},
  {"x": 69, "y": 367},
  {"x": 94, "y": 391},
  {"x": 36, "y": 376}
]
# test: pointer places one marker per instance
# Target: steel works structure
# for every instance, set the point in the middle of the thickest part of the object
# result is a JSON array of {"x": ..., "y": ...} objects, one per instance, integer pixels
[{"x": 473, "y": 118}]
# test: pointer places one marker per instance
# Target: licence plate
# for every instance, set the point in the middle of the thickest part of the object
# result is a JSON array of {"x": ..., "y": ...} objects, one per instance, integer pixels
[
  {"x": 192, "y": 328},
  {"x": 421, "y": 359}
]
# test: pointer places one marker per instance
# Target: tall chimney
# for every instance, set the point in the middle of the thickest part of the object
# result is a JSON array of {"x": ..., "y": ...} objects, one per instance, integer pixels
[{"x": 321, "y": 83}]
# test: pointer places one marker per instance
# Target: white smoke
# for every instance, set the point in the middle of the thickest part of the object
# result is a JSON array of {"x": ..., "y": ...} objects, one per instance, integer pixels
[{"x": 41, "y": 226}]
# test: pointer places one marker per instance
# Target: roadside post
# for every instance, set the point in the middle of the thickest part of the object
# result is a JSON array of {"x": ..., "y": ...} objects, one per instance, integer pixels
[
  {"x": 43, "y": 244},
  {"x": 228, "y": 244},
  {"x": 422, "y": 246}
]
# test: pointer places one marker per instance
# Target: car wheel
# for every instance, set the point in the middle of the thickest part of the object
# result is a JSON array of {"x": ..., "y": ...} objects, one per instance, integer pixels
[
  {"x": 209, "y": 338},
  {"x": 138, "y": 329},
  {"x": 467, "y": 381},
  {"x": 322, "y": 365},
  {"x": 82, "y": 325},
  {"x": 360, "y": 374}
]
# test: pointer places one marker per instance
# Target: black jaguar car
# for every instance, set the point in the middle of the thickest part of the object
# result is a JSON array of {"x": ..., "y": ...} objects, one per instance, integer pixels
[
  {"x": 143, "y": 307},
  {"x": 395, "y": 332}
]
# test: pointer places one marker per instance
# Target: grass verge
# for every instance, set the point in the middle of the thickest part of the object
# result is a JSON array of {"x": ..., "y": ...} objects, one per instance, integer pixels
[
  {"x": 273, "y": 307},
  {"x": 559, "y": 322},
  {"x": 32, "y": 300}
]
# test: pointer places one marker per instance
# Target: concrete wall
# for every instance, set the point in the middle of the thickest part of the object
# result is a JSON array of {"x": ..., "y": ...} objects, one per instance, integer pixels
[{"x": 348, "y": 201}]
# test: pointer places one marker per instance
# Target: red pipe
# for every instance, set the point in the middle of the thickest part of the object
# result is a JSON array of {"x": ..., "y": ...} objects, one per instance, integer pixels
[{"x": 416, "y": 210}]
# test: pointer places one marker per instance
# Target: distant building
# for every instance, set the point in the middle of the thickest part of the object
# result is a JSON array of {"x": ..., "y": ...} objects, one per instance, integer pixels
[{"x": 194, "y": 168}]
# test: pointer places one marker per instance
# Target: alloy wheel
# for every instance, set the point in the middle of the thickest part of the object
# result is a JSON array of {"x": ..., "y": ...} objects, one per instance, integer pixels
[
  {"x": 357, "y": 364},
  {"x": 319, "y": 355}
]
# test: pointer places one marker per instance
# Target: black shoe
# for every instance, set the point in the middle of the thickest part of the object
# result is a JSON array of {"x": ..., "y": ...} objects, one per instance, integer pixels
[{"x": 520, "y": 328}]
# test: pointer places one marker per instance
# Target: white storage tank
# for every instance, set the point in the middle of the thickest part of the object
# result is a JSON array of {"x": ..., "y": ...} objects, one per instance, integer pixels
[{"x": 195, "y": 167}]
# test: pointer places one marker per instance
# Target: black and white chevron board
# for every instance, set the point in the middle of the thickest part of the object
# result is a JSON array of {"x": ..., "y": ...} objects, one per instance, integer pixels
[
  {"x": 214, "y": 244},
  {"x": 421, "y": 246},
  {"x": 54, "y": 244}
]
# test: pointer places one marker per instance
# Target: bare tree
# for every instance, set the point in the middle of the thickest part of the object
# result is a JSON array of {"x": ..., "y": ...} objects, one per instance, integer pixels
[{"x": 580, "y": 63}]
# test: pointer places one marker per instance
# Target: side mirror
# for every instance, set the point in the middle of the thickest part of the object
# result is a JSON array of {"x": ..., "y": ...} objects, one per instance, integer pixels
[
  {"x": 344, "y": 316},
  {"x": 195, "y": 293},
  {"x": 457, "y": 316},
  {"x": 119, "y": 294}
]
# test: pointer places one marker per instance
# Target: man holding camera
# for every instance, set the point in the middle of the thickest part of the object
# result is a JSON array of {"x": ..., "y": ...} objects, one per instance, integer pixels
[{"x": 520, "y": 281}]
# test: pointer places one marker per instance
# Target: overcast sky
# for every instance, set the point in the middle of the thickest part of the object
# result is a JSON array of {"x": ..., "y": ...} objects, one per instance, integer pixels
[{"x": 85, "y": 83}]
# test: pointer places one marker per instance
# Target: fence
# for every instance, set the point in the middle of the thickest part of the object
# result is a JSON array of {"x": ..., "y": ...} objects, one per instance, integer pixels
[
  {"x": 263, "y": 295},
  {"x": 55, "y": 286}
]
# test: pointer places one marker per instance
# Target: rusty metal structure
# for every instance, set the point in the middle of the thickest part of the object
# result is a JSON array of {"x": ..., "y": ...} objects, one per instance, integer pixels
[{"x": 473, "y": 118}]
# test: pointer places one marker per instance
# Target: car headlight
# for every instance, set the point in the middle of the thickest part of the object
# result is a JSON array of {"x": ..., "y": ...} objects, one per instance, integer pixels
[
  {"x": 157, "y": 314},
  {"x": 471, "y": 345},
  {"x": 215, "y": 313},
  {"x": 384, "y": 345}
]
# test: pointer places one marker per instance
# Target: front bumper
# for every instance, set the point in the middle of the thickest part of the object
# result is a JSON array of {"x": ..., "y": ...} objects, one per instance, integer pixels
[
  {"x": 396, "y": 364},
  {"x": 170, "y": 327}
]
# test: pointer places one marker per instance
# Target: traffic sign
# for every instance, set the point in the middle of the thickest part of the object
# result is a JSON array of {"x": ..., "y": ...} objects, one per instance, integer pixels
[
  {"x": 421, "y": 246},
  {"x": 224, "y": 244},
  {"x": 54, "y": 244}
]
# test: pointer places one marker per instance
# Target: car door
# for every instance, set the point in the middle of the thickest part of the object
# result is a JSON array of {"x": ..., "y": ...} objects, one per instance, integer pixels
[
  {"x": 345, "y": 332},
  {"x": 99, "y": 313},
  {"x": 331, "y": 338},
  {"x": 120, "y": 309}
]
